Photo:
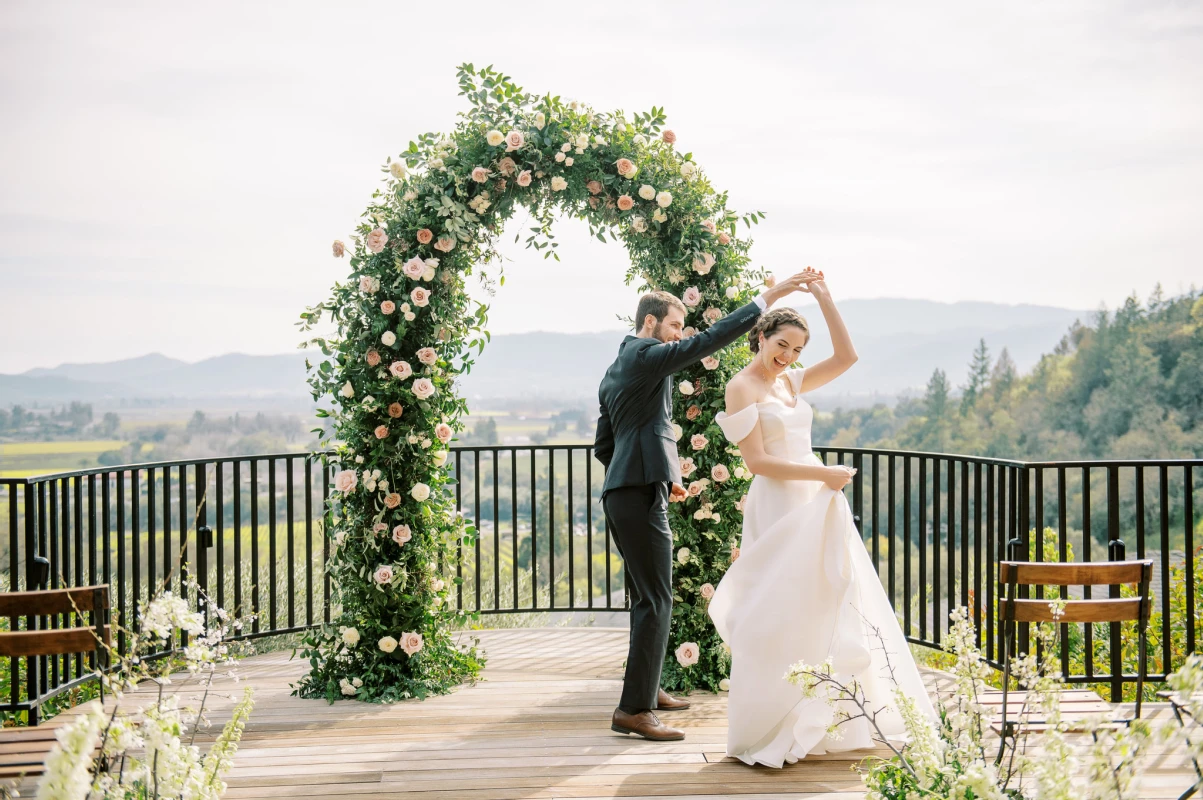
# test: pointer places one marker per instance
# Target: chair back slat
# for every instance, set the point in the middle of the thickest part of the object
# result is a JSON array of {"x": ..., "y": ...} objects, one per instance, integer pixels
[
  {"x": 1102, "y": 573},
  {"x": 63, "y": 641},
  {"x": 1122, "y": 610},
  {"x": 54, "y": 601}
]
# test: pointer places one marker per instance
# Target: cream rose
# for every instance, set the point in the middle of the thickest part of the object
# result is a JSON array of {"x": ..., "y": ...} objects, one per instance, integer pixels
[
  {"x": 710, "y": 363},
  {"x": 347, "y": 391},
  {"x": 560, "y": 158},
  {"x": 439, "y": 457},
  {"x": 724, "y": 685},
  {"x": 678, "y": 432},
  {"x": 377, "y": 239},
  {"x": 540, "y": 120},
  {"x": 428, "y": 356},
  {"x": 423, "y": 388},
  {"x": 388, "y": 338},
  {"x": 687, "y": 654},
  {"x": 686, "y": 388},
  {"x": 731, "y": 292},
  {"x": 388, "y": 644},
  {"x": 346, "y": 480},
  {"x": 664, "y": 199},
  {"x": 494, "y": 138},
  {"x": 558, "y": 184},
  {"x": 683, "y": 555},
  {"x": 698, "y": 441},
  {"x": 350, "y": 636},
  {"x": 383, "y": 574},
  {"x": 400, "y": 369},
  {"x": 420, "y": 492},
  {"x": 700, "y": 266},
  {"x": 647, "y": 192},
  {"x": 688, "y": 168},
  {"x": 420, "y": 297},
  {"x": 719, "y": 473},
  {"x": 402, "y": 534},
  {"x": 398, "y": 170},
  {"x": 638, "y": 224}
]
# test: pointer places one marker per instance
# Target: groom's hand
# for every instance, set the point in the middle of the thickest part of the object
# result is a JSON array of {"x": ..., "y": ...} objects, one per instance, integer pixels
[
  {"x": 797, "y": 282},
  {"x": 677, "y": 494}
]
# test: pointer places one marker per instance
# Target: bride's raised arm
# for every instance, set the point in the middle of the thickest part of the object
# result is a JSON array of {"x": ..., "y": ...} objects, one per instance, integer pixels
[
  {"x": 845, "y": 356},
  {"x": 741, "y": 408}
]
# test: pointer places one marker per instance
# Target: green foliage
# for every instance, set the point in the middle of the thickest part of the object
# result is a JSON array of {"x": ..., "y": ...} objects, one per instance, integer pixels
[{"x": 432, "y": 225}]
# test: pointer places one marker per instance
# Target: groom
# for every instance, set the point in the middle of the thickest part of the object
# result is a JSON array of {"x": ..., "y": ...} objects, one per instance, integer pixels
[{"x": 636, "y": 444}]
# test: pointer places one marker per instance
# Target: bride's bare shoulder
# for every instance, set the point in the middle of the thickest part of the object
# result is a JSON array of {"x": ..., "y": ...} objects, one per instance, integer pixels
[{"x": 741, "y": 393}]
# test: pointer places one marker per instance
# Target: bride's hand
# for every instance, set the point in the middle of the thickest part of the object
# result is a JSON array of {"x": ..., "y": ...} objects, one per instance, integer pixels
[
  {"x": 838, "y": 477},
  {"x": 798, "y": 282}
]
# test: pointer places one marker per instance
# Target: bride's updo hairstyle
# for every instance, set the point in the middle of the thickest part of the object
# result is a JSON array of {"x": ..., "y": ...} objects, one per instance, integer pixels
[{"x": 772, "y": 321}]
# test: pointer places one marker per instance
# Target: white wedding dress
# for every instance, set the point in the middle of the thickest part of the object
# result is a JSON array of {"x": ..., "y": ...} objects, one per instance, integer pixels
[{"x": 802, "y": 589}]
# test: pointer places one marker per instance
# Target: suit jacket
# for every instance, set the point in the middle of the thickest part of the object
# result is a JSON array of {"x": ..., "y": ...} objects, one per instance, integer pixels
[{"x": 634, "y": 437}]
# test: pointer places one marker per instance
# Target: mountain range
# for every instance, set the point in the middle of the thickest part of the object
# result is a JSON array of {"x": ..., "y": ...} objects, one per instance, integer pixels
[{"x": 900, "y": 342}]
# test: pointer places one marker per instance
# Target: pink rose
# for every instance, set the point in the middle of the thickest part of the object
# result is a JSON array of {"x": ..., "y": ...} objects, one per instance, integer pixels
[
  {"x": 392, "y": 499},
  {"x": 687, "y": 654},
  {"x": 445, "y": 243},
  {"x": 692, "y": 296},
  {"x": 707, "y": 591},
  {"x": 625, "y": 203},
  {"x": 384, "y": 574},
  {"x": 668, "y": 136},
  {"x": 401, "y": 369},
  {"x": 770, "y": 281},
  {"x": 346, "y": 481},
  {"x": 698, "y": 441},
  {"x": 414, "y": 268},
  {"x": 443, "y": 432},
  {"x": 420, "y": 296},
  {"x": 710, "y": 362},
  {"x": 724, "y": 238},
  {"x": 339, "y": 249},
  {"x": 688, "y": 332},
  {"x": 514, "y": 140},
  {"x": 687, "y": 467},
  {"x": 428, "y": 356},
  {"x": 594, "y": 187},
  {"x": 625, "y": 166},
  {"x": 402, "y": 534},
  {"x": 735, "y": 550},
  {"x": 506, "y": 166},
  {"x": 719, "y": 473},
  {"x": 367, "y": 285},
  {"x": 378, "y": 527},
  {"x": 692, "y": 413},
  {"x": 524, "y": 178},
  {"x": 395, "y": 410},
  {"x": 480, "y": 174},
  {"x": 739, "y": 506},
  {"x": 388, "y": 307},
  {"x": 381, "y": 431},
  {"x": 411, "y": 643},
  {"x": 425, "y": 236},
  {"x": 423, "y": 388},
  {"x": 708, "y": 224},
  {"x": 712, "y": 315},
  {"x": 373, "y": 358},
  {"x": 700, "y": 266},
  {"x": 696, "y": 488},
  {"x": 377, "y": 239}
]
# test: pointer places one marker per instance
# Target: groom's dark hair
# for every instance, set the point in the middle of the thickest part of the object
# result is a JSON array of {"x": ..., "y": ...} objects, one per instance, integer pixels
[{"x": 657, "y": 304}]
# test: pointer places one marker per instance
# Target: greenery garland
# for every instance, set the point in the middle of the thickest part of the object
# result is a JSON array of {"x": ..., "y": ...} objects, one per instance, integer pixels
[{"x": 407, "y": 330}]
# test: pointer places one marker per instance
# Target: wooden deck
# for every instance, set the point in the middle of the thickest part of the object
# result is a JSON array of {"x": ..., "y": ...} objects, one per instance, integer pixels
[{"x": 537, "y": 726}]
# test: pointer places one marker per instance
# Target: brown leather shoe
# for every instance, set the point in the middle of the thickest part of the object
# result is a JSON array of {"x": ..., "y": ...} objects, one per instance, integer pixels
[
  {"x": 645, "y": 724},
  {"x": 666, "y": 702}
]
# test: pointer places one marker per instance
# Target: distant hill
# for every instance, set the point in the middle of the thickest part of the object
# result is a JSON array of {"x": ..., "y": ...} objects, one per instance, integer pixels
[{"x": 900, "y": 342}]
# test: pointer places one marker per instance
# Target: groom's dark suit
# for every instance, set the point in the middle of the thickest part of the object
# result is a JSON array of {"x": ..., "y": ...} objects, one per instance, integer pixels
[{"x": 635, "y": 442}]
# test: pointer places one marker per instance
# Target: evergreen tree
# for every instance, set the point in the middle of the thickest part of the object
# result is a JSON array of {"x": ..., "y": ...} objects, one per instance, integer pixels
[
  {"x": 979, "y": 377},
  {"x": 1002, "y": 378}
]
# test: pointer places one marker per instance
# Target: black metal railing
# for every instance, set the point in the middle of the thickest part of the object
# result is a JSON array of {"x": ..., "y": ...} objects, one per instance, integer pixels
[{"x": 252, "y": 531}]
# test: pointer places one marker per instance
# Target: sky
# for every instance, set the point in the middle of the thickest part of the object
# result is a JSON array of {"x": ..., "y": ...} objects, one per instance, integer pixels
[{"x": 172, "y": 175}]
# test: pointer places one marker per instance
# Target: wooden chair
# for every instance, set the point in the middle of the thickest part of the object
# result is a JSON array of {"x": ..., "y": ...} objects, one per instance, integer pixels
[
  {"x": 23, "y": 750},
  {"x": 1013, "y": 609}
]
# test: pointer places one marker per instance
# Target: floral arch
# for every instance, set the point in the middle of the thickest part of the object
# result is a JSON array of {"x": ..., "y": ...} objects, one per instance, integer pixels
[{"x": 405, "y": 329}]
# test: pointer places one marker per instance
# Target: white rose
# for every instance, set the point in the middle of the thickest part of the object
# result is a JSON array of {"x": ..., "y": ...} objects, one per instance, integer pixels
[
  {"x": 663, "y": 199},
  {"x": 428, "y": 274},
  {"x": 436, "y": 163},
  {"x": 357, "y": 683},
  {"x": 410, "y": 316},
  {"x": 351, "y": 637},
  {"x": 348, "y": 390},
  {"x": 388, "y": 338},
  {"x": 558, "y": 184},
  {"x": 388, "y": 644},
  {"x": 686, "y": 388},
  {"x": 494, "y": 138},
  {"x": 660, "y": 216},
  {"x": 647, "y": 191},
  {"x": 687, "y": 169},
  {"x": 540, "y": 120},
  {"x": 724, "y": 685},
  {"x": 439, "y": 457},
  {"x": 678, "y": 431},
  {"x": 731, "y": 293},
  {"x": 640, "y": 139},
  {"x": 638, "y": 224},
  {"x": 564, "y": 148},
  {"x": 683, "y": 555},
  {"x": 568, "y": 162},
  {"x": 420, "y": 492},
  {"x": 560, "y": 157},
  {"x": 346, "y": 688}
]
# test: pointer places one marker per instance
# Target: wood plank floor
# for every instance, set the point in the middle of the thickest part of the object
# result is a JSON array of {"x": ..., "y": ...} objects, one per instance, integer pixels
[{"x": 537, "y": 726}]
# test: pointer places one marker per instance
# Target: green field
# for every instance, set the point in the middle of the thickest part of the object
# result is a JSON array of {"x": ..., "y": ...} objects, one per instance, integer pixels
[{"x": 24, "y": 459}]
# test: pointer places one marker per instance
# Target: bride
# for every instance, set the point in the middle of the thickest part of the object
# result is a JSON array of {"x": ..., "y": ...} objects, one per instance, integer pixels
[{"x": 803, "y": 588}]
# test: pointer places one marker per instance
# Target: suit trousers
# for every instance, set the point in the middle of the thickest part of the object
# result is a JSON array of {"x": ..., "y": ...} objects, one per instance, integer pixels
[{"x": 639, "y": 523}]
